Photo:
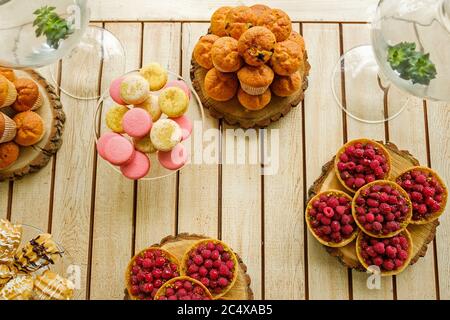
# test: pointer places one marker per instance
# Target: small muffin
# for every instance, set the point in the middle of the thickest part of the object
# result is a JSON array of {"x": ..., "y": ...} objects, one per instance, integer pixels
[
  {"x": 30, "y": 128},
  {"x": 8, "y": 128},
  {"x": 155, "y": 75},
  {"x": 239, "y": 20},
  {"x": 8, "y": 93},
  {"x": 225, "y": 55},
  {"x": 255, "y": 80},
  {"x": 173, "y": 102},
  {"x": 296, "y": 37},
  {"x": 251, "y": 102},
  {"x": 278, "y": 22},
  {"x": 259, "y": 9},
  {"x": 256, "y": 45},
  {"x": 8, "y": 74},
  {"x": 218, "y": 21},
  {"x": 144, "y": 145},
  {"x": 114, "y": 118},
  {"x": 134, "y": 89},
  {"x": 202, "y": 51},
  {"x": 165, "y": 134},
  {"x": 9, "y": 153},
  {"x": 221, "y": 86},
  {"x": 287, "y": 58},
  {"x": 285, "y": 86},
  {"x": 151, "y": 105},
  {"x": 28, "y": 95}
]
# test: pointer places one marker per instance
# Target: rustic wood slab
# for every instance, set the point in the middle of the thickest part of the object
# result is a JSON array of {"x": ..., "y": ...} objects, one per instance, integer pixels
[
  {"x": 421, "y": 235},
  {"x": 36, "y": 157}
]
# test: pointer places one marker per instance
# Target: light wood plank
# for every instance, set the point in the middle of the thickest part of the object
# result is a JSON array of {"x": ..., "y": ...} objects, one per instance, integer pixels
[
  {"x": 195, "y": 10},
  {"x": 156, "y": 200},
  {"x": 323, "y": 129},
  {"x": 4, "y": 187}
]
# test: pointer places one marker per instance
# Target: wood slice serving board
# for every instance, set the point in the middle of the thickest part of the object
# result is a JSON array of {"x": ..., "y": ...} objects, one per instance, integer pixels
[
  {"x": 421, "y": 235},
  {"x": 234, "y": 113},
  {"x": 34, "y": 158},
  {"x": 178, "y": 245}
]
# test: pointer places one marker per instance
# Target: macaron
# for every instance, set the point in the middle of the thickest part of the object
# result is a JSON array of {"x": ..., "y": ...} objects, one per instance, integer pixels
[
  {"x": 114, "y": 91},
  {"x": 180, "y": 84},
  {"x": 186, "y": 126},
  {"x": 173, "y": 102},
  {"x": 114, "y": 117},
  {"x": 118, "y": 150},
  {"x": 151, "y": 105},
  {"x": 101, "y": 142},
  {"x": 165, "y": 134},
  {"x": 174, "y": 159},
  {"x": 137, "y": 123},
  {"x": 137, "y": 168},
  {"x": 134, "y": 89}
]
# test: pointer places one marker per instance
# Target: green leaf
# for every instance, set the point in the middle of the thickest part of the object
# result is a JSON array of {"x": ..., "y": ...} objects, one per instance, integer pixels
[{"x": 51, "y": 25}]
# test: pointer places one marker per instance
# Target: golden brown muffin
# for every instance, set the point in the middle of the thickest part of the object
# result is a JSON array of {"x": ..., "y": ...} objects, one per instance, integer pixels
[
  {"x": 28, "y": 96},
  {"x": 259, "y": 9},
  {"x": 255, "y": 80},
  {"x": 254, "y": 102},
  {"x": 218, "y": 21},
  {"x": 8, "y": 74},
  {"x": 9, "y": 153},
  {"x": 285, "y": 86},
  {"x": 278, "y": 22},
  {"x": 225, "y": 55},
  {"x": 30, "y": 128},
  {"x": 296, "y": 37},
  {"x": 239, "y": 20},
  {"x": 8, "y": 128},
  {"x": 221, "y": 86},
  {"x": 256, "y": 45},
  {"x": 287, "y": 58},
  {"x": 8, "y": 93},
  {"x": 202, "y": 51}
]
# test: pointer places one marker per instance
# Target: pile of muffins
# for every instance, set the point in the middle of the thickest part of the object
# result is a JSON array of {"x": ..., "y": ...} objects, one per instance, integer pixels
[
  {"x": 252, "y": 52},
  {"x": 148, "y": 117},
  {"x": 24, "y": 273},
  {"x": 19, "y": 98}
]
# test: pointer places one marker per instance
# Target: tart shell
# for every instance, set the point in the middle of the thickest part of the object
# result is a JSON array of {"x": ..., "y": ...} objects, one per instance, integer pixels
[{"x": 168, "y": 283}]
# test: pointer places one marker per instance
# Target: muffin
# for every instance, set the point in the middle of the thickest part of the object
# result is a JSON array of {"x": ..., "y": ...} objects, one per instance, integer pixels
[
  {"x": 28, "y": 95},
  {"x": 202, "y": 51},
  {"x": 278, "y": 22},
  {"x": 296, "y": 37},
  {"x": 221, "y": 86},
  {"x": 225, "y": 55},
  {"x": 30, "y": 128},
  {"x": 285, "y": 86},
  {"x": 259, "y": 9},
  {"x": 173, "y": 102},
  {"x": 8, "y": 93},
  {"x": 256, "y": 45},
  {"x": 218, "y": 21},
  {"x": 8, "y": 74},
  {"x": 134, "y": 89},
  {"x": 287, "y": 58},
  {"x": 255, "y": 80},
  {"x": 252, "y": 102},
  {"x": 151, "y": 105},
  {"x": 155, "y": 75},
  {"x": 239, "y": 20},
  {"x": 114, "y": 117},
  {"x": 8, "y": 128},
  {"x": 9, "y": 153}
]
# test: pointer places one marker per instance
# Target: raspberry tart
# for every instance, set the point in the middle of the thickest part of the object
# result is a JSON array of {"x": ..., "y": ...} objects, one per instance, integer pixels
[
  {"x": 427, "y": 192},
  {"x": 329, "y": 218},
  {"x": 148, "y": 271},
  {"x": 391, "y": 255},
  {"x": 382, "y": 209},
  {"x": 183, "y": 288},
  {"x": 360, "y": 162},
  {"x": 212, "y": 263}
]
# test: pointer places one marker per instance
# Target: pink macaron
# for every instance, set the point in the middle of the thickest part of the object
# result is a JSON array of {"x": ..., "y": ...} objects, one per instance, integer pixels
[
  {"x": 137, "y": 168},
  {"x": 185, "y": 124},
  {"x": 118, "y": 150},
  {"x": 180, "y": 84},
  {"x": 174, "y": 159},
  {"x": 114, "y": 91},
  {"x": 101, "y": 142},
  {"x": 137, "y": 123}
]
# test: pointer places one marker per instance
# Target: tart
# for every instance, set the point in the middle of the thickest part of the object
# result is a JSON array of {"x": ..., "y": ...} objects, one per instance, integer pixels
[
  {"x": 391, "y": 255},
  {"x": 148, "y": 271},
  {"x": 183, "y": 288},
  {"x": 382, "y": 209},
  {"x": 427, "y": 191},
  {"x": 212, "y": 263},
  {"x": 360, "y": 162},
  {"x": 329, "y": 218}
]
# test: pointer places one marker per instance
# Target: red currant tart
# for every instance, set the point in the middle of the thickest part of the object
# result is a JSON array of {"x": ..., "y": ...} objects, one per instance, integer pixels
[
  {"x": 148, "y": 271},
  {"x": 382, "y": 209},
  {"x": 212, "y": 263},
  {"x": 427, "y": 192},
  {"x": 183, "y": 288},
  {"x": 390, "y": 255},
  {"x": 360, "y": 162},
  {"x": 329, "y": 218}
]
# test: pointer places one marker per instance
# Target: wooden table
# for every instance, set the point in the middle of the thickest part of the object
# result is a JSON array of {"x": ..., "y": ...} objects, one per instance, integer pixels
[{"x": 102, "y": 218}]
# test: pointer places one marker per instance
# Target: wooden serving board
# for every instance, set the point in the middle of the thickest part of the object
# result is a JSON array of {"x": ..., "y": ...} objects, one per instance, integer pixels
[
  {"x": 234, "y": 113},
  {"x": 421, "y": 235},
  {"x": 34, "y": 158}
]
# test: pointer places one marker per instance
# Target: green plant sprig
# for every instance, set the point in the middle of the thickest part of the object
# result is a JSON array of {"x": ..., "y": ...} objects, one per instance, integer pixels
[{"x": 50, "y": 24}]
